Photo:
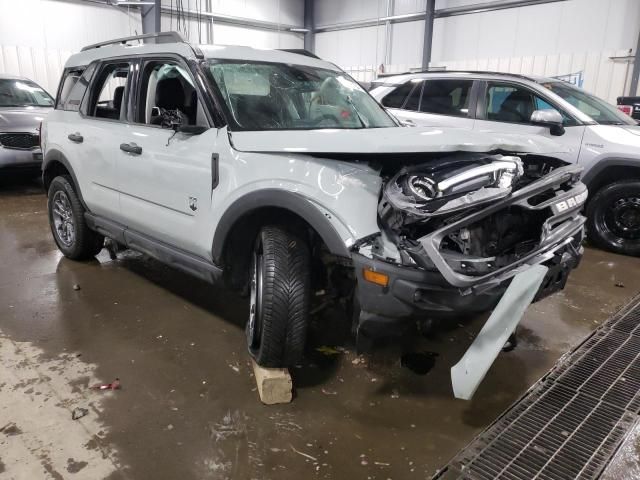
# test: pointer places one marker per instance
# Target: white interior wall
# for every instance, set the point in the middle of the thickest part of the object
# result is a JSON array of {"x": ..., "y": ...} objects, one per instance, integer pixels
[
  {"x": 286, "y": 12},
  {"x": 551, "y": 39},
  {"x": 37, "y": 36}
]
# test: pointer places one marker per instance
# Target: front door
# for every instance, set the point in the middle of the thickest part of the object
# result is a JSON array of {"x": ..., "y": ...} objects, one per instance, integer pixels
[
  {"x": 507, "y": 108},
  {"x": 166, "y": 177}
]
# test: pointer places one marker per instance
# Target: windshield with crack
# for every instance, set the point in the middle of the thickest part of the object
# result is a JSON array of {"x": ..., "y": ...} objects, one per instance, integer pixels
[
  {"x": 23, "y": 93},
  {"x": 274, "y": 96}
]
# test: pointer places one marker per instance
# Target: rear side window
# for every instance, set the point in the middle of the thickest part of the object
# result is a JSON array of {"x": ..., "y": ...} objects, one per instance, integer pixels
[
  {"x": 74, "y": 86},
  {"x": 446, "y": 97},
  {"x": 396, "y": 98},
  {"x": 107, "y": 94}
]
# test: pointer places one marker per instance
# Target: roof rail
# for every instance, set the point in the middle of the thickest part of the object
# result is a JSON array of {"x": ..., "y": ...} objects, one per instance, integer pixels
[{"x": 160, "y": 37}]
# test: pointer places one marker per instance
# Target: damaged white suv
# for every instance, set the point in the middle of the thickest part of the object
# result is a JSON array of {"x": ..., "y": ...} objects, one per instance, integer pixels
[{"x": 278, "y": 173}]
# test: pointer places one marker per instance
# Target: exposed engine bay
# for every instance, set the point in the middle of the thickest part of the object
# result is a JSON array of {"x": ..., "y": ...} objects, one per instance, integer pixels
[{"x": 477, "y": 214}]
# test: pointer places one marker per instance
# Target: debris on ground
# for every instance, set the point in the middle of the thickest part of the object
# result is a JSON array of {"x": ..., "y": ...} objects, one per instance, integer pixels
[
  {"x": 329, "y": 392},
  {"x": 326, "y": 350},
  {"x": 76, "y": 286},
  {"x": 115, "y": 385},
  {"x": 303, "y": 454},
  {"x": 358, "y": 361},
  {"x": 78, "y": 413},
  {"x": 395, "y": 393},
  {"x": 619, "y": 284}
]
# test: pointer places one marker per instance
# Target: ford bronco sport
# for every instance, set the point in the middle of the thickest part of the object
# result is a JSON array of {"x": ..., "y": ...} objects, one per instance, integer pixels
[{"x": 278, "y": 174}]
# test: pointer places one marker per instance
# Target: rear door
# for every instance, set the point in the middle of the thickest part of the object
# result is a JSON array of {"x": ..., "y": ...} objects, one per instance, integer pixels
[
  {"x": 445, "y": 102},
  {"x": 90, "y": 133},
  {"x": 506, "y": 107},
  {"x": 166, "y": 177}
]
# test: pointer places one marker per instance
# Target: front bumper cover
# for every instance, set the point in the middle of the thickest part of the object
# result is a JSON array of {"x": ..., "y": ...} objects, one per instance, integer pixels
[{"x": 446, "y": 284}]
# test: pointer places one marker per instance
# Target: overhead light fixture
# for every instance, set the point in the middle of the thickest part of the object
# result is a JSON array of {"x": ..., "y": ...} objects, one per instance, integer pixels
[
  {"x": 129, "y": 3},
  {"x": 299, "y": 30}
]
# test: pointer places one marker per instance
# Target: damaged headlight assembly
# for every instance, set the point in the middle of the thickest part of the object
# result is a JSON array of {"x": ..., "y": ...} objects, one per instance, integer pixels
[{"x": 454, "y": 184}]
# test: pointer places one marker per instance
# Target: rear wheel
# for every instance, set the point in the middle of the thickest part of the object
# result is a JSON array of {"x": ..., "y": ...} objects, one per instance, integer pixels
[
  {"x": 280, "y": 286},
  {"x": 66, "y": 218},
  {"x": 613, "y": 217}
]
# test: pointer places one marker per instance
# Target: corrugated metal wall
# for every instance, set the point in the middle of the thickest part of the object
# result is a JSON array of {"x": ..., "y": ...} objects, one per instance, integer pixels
[
  {"x": 37, "y": 36},
  {"x": 287, "y": 12},
  {"x": 562, "y": 38}
]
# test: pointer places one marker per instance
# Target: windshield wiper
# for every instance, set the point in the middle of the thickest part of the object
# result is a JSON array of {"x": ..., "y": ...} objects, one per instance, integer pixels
[{"x": 355, "y": 109}]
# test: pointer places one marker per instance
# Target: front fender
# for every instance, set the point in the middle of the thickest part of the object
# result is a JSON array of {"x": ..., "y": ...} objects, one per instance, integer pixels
[{"x": 338, "y": 199}]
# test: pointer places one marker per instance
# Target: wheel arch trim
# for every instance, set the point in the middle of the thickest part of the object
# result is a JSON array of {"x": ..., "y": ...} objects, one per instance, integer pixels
[
  {"x": 276, "y": 198},
  {"x": 54, "y": 155},
  {"x": 591, "y": 176}
]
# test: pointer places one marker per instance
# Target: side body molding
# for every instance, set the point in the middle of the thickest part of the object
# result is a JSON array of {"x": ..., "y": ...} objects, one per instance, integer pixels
[{"x": 287, "y": 200}]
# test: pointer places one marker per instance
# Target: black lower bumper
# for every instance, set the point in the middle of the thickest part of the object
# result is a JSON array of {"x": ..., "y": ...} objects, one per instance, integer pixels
[{"x": 414, "y": 294}]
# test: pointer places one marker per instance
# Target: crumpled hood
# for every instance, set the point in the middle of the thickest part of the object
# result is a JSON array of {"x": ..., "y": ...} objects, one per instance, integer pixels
[
  {"x": 390, "y": 140},
  {"x": 22, "y": 119}
]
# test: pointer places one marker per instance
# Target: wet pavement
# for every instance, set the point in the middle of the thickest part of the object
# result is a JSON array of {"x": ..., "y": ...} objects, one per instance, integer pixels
[{"x": 188, "y": 406}]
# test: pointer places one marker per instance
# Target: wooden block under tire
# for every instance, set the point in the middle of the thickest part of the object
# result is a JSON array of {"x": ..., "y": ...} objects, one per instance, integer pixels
[{"x": 274, "y": 384}]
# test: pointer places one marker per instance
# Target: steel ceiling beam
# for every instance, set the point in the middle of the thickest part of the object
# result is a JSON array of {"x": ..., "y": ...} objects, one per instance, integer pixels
[
  {"x": 429, "y": 16},
  {"x": 440, "y": 13},
  {"x": 635, "y": 74},
  {"x": 151, "y": 16},
  {"x": 309, "y": 24}
]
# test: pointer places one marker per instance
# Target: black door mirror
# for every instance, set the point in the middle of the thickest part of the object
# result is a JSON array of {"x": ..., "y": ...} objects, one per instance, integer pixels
[{"x": 549, "y": 118}]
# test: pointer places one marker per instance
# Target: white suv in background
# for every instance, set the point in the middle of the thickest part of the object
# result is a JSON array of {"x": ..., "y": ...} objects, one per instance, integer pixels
[
  {"x": 596, "y": 135},
  {"x": 278, "y": 173}
]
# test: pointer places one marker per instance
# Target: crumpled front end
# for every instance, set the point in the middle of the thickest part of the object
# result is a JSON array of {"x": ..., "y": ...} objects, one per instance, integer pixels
[{"x": 455, "y": 230}]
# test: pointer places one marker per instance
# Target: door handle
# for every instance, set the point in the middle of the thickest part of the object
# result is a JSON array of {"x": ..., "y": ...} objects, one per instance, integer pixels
[
  {"x": 131, "y": 148},
  {"x": 75, "y": 137}
]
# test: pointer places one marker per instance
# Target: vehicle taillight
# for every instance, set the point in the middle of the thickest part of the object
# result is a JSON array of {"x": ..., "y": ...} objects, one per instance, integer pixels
[{"x": 628, "y": 109}]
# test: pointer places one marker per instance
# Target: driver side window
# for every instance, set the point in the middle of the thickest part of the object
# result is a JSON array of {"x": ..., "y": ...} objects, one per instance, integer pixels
[
  {"x": 168, "y": 96},
  {"x": 509, "y": 103}
]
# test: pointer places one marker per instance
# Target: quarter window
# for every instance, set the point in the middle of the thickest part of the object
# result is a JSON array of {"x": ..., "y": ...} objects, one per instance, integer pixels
[
  {"x": 107, "y": 100},
  {"x": 74, "y": 86},
  {"x": 446, "y": 97}
]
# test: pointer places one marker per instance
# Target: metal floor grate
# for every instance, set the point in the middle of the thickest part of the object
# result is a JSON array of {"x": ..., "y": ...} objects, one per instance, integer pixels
[{"x": 569, "y": 425}]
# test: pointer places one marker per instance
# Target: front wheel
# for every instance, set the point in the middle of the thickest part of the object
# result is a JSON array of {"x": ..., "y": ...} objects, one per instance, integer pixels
[
  {"x": 613, "y": 218},
  {"x": 66, "y": 218},
  {"x": 280, "y": 281}
]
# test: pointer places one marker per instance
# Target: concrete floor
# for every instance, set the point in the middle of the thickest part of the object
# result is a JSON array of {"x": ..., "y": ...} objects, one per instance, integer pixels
[{"x": 188, "y": 406}]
